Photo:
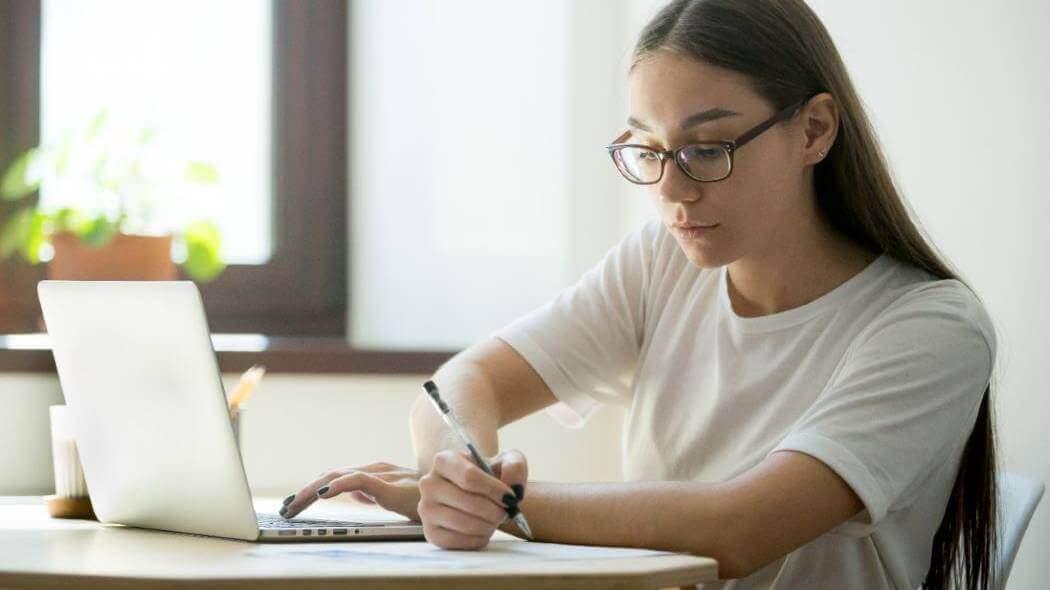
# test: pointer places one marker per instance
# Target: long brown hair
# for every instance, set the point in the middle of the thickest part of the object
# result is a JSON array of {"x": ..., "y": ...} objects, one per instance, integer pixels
[{"x": 788, "y": 55}]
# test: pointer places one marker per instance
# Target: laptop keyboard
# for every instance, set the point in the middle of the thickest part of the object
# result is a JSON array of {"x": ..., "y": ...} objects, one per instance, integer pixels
[
  {"x": 273, "y": 521},
  {"x": 308, "y": 527}
]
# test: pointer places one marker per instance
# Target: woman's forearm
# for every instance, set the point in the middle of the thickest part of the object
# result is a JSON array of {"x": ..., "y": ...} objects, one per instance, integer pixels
[
  {"x": 469, "y": 393},
  {"x": 669, "y": 516},
  {"x": 766, "y": 512}
]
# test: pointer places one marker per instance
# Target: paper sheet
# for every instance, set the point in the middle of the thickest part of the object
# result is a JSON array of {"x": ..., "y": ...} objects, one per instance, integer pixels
[{"x": 499, "y": 553}]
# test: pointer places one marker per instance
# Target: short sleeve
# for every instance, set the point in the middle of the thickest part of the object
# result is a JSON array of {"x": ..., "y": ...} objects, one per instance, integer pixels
[
  {"x": 585, "y": 343},
  {"x": 905, "y": 398}
]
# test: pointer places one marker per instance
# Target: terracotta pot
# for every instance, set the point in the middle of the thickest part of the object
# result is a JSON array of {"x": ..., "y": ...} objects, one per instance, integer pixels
[{"x": 124, "y": 258}]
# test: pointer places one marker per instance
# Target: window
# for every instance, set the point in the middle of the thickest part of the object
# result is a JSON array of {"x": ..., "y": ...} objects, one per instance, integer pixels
[
  {"x": 288, "y": 275},
  {"x": 201, "y": 85}
]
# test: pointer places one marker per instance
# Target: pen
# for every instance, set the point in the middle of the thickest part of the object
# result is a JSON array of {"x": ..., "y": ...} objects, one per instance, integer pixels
[{"x": 446, "y": 415}]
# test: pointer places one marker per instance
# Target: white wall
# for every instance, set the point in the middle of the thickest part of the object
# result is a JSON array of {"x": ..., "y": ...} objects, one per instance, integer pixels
[
  {"x": 298, "y": 426},
  {"x": 477, "y": 151},
  {"x": 25, "y": 443}
]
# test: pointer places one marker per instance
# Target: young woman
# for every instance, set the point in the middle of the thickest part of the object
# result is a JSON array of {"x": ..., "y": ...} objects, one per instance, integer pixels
[{"x": 806, "y": 381}]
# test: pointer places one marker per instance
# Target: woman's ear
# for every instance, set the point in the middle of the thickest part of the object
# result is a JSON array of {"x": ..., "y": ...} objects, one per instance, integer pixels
[{"x": 820, "y": 126}]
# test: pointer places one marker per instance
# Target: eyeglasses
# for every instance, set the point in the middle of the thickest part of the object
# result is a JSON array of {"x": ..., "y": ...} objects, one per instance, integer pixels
[{"x": 703, "y": 162}]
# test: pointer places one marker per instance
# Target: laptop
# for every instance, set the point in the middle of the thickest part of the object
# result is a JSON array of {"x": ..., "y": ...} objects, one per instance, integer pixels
[{"x": 139, "y": 375}]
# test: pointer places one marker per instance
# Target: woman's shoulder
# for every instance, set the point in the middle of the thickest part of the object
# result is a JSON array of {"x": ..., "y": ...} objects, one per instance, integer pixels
[{"x": 918, "y": 301}]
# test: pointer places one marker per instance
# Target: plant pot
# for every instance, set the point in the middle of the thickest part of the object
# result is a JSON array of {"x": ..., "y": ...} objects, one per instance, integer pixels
[{"x": 124, "y": 258}]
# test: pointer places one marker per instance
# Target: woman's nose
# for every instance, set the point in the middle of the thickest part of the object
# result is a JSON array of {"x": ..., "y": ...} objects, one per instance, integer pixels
[{"x": 676, "y": 187}]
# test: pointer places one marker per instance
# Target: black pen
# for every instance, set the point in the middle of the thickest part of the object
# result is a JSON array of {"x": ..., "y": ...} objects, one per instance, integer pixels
[{"x": 446, "y": 415}]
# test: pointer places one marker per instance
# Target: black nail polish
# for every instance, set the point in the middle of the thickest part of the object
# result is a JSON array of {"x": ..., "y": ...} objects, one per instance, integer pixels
[
  {"x": 323, "y": 490},
  {"x": 283, "y": 510},
  {"x": 519, "y": 491},
  {"x": 288, "y": 500},
  {"x": 510, "y": 501},
  {"x": 512, "y": 511}
]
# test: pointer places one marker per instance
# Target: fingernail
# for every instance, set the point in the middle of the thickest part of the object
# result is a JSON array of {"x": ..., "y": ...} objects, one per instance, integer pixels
[
  {"x": 510, "y": 501},
  {"x": 288, "y": 500},
  {"x": 512, "y": 511},
  {"x": 323, "y": 491},
  {"x": 519, "y": 491},
  {"x": 283, "y": 510}
]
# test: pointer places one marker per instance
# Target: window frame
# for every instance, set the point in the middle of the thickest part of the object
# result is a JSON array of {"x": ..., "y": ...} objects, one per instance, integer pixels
[{"x": 19, "y": 130}]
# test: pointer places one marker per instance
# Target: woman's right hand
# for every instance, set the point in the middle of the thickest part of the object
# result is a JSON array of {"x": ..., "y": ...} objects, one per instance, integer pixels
[{"x": 461, "y": 505}]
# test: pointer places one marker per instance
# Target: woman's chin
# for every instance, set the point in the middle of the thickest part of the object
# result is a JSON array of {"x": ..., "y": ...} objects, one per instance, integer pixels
[{"x": 703, "y": 256}]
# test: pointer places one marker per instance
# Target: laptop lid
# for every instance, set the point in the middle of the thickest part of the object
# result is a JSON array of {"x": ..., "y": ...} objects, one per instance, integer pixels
[{"x": 139, "y": 375}]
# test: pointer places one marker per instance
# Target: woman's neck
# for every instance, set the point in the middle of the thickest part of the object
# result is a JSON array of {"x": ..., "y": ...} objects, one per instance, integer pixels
[{"x": 796, "y": 270}]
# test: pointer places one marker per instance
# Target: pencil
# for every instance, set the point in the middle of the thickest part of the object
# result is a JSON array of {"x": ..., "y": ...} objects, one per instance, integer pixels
[{"x": 245, "y": 387}]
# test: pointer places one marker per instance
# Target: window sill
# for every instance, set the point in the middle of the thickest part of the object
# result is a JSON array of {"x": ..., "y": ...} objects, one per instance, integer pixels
[{"x": 31, "y": 353}]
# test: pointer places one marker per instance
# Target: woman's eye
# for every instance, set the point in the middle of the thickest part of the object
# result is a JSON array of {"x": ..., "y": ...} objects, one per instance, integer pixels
[
  {"x": 646, "y": 155},
  {"x": 706, "y": 153}
]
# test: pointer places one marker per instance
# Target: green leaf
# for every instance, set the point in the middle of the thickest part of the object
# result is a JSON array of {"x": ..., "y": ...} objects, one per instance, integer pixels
[
  {"x": 17, "y": 182},
  {"x": 201, "y": 172},
  {"x": 67, "y": 219},
  {"x": 203, "y": 243},
  {"x": 15, "y": 233},
  {"x": 97, "y": 232},
  {"x": 35, "y": 238}
]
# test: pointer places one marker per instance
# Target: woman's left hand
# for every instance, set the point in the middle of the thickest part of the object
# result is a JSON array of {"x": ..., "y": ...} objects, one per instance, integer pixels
[
  {"x": 459, "y": 504},
  {"x": 393, "y": 487}
]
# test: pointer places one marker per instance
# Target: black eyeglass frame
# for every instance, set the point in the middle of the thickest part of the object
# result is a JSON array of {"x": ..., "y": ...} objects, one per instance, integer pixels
[{"x": 729, "y": 146}]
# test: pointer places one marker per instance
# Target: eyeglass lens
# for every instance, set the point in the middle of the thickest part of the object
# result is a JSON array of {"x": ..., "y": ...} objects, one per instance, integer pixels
[{"x": 701, "y": 162}]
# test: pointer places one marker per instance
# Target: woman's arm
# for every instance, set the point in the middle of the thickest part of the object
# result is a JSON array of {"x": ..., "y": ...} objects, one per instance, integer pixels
[
  {"x": 781, "y": 504},
  {"x": 488, "y": 386},
  {"x": 745, "y": 523}
]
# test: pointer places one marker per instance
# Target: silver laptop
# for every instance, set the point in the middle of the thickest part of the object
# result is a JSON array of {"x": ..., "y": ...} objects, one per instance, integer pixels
[{"x": 139, "y": 375}]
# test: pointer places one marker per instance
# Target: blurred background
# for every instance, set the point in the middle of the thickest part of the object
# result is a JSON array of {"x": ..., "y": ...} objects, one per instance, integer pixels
[{"x": 364, "y": 188}]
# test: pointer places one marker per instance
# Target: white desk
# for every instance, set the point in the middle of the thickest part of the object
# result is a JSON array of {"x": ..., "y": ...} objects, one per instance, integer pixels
[{"x": 37, "y": 551}]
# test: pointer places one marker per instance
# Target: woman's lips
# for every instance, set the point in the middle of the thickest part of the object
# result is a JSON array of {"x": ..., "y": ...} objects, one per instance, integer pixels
[{"x": 694, "y": 231}]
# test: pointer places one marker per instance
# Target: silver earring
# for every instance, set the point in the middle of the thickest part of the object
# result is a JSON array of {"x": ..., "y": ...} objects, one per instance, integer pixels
[{"x": 822, "y": 153}]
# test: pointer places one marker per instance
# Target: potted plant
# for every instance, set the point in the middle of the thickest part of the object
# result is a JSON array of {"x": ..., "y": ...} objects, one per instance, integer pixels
[{"x": 116, "y": 214}]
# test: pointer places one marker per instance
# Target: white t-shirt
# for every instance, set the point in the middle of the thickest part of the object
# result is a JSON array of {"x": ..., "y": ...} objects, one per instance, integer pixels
[{"x": 881, "y": 379}]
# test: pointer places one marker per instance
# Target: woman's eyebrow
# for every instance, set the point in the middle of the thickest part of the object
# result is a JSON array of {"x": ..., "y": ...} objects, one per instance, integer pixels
[
  {"x": 705, "y": 116},
  {"x": 690, "y": 121}
]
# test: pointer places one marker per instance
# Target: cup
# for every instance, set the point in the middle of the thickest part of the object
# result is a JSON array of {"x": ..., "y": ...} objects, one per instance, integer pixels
[
  {"x": 69, "y": 474},
  {"x": 71, "y": 494}
]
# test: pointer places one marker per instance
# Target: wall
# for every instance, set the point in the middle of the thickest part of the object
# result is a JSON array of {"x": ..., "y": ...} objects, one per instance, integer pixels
[{"x": 298, "y": 426}]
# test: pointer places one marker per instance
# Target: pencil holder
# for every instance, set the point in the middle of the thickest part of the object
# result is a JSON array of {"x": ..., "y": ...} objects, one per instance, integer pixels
[
  {"x": 71, "y": 494},
  {"x": 238, "y": 427}
]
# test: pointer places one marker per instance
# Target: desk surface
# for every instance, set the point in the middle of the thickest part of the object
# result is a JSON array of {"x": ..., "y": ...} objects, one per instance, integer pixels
[{"x": 37, "y": 551}]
